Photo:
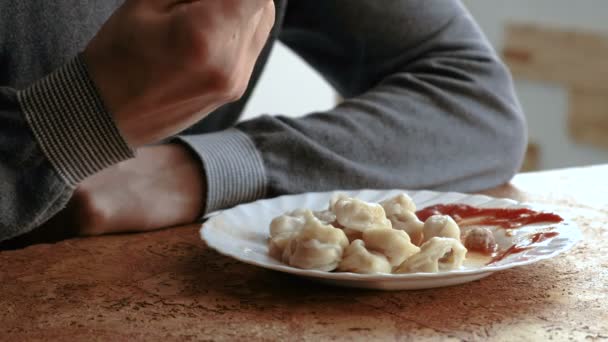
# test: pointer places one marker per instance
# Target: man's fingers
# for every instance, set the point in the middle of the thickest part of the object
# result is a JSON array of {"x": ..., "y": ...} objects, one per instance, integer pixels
[
  {"x": 260, "y": 36},
  {"x": 258, "y": 5}
]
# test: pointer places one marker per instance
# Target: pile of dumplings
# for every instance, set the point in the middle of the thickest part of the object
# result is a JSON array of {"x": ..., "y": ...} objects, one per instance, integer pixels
[{"x": 356, "y": 236}]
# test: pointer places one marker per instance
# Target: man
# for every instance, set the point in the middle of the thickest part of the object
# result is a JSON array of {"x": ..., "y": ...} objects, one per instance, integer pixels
[{"x": 428, "y": 105}]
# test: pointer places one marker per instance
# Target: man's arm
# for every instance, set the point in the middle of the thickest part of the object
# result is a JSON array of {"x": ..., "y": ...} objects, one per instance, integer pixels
[
  {"x": 161, "y": 187},
  {"x": 152, "y": 70},
  {"x": 428, "y": 105}
]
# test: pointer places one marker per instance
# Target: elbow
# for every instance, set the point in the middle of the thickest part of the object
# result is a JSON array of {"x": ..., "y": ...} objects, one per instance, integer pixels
[
  {"x": 499, "y": 155},
  {"x": 506, "y": 122},
  {"x": 513, "y": 146},
  {"x": 512, "y": 128},
  {"x": 500, "y": 124},
  {"x": 510, "y": 135}
]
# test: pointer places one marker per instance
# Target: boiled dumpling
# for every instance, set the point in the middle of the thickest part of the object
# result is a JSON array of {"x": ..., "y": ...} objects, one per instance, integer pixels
[
  {"x": 288, "y": 223},
  {"x": 282, "y": 230},
  {"x": 394, "y": 244},
  {"x": 354, "y": 214},
  {"x": 335, "y": 199},
  {"x": 277, "y": 244},
  {"x": 440, "y": 226},
  {"x": 437, "y": 254},
  {"x": 325, "y": 216},
  {"x": 409, "y": 223},
  {"x": 398, "y": 205},
  {"x": 316, "y": 246},
  {"x": 401, "y": 211},
  {"x": 358, "y": 259}
]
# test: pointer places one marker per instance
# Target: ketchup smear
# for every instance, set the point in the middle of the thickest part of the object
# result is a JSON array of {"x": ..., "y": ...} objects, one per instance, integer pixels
[
  {"x": 502, "y": 217},
  {"x": 520, "y": 247}
]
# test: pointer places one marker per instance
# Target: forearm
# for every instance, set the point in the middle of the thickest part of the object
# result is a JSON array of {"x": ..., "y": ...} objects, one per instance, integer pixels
[
  {"x": 162, "y": 187},
  {"x": 429, "y": 105}
]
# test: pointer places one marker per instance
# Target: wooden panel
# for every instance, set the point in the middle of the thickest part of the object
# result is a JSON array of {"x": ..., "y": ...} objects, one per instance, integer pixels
[
  {"x": 532, "y": 158},
  {"x": 577, "y": 59},
  {"x": 588, "y": 117}
]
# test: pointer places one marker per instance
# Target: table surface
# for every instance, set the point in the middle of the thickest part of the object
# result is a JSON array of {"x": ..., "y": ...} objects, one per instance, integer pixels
[{"x": 168, "y": 285}]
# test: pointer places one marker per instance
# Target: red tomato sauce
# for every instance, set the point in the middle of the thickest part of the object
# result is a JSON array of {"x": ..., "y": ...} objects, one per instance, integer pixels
[
  {"x": 523, "y": 246},
  {"x": 507, "y": 218},
  {"x": 502, "y": 217}
]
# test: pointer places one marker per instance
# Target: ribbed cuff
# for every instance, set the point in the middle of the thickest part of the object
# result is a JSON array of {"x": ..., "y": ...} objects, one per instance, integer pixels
[
  {"x": 234, "y": 169},
  {"x": 71, "y": 124}
]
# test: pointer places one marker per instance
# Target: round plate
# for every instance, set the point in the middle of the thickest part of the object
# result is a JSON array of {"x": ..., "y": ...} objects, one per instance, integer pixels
[{"x": 242, "y": 233}]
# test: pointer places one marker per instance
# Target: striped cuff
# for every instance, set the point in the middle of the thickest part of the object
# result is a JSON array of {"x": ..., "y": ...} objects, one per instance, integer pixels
[
  {"x": 71, "y": 124},
  {"x": 233, "y": 167}
]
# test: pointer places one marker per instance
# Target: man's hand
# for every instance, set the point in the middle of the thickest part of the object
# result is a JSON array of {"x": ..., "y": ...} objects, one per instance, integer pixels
[
  {"x": 162, "y": 187},
  {"x": 162, "y": 65}
]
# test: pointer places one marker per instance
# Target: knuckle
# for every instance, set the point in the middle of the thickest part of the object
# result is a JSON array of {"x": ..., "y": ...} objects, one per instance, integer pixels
[
  {"x": 226, "y": 84},
  {"x": 218, "y": 78},
  {"x": 236, "y": 91},
  {"x": 216, "y": 72},
  {"x": 188, "y": 41},
  {"x": 271, "y": 10},
  {"x": 241, "y": 91},
  {"x": 196, "y": 50}
]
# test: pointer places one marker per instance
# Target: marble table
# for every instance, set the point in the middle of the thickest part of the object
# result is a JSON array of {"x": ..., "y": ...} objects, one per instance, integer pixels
[{"x": 168, "y": 285}]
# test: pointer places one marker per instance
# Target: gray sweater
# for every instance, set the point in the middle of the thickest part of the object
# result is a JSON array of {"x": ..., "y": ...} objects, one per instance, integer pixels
[{"x": 427, "y": 104}]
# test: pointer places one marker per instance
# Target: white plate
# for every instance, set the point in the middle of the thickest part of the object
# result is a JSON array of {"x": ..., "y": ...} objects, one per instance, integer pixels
[{"x": 242, "y": 233}]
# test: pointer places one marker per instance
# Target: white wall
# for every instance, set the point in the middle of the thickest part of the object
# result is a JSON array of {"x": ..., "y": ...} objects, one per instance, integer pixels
[
  {"x": 546, "y": 105},
  {"x": 289, "y": 87}
]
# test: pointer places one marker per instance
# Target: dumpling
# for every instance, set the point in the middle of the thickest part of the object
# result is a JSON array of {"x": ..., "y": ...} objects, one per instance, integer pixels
[
  {"x": 316, "y": 246},
  {"x": 437, "y": 254},
  {"x": 335, "y": 199},
  {"x": 282, "y": 230},
  {"x": 325, "y": 216},
  {"x": 358, "y": 259},
  {"x": 352, "y": 213},
  {"x": 277, "y": 244},
  {"x": 288, "y": 223},
  {"x": 398, "y": 205},
  {"x": 409, "y": 223},
  {"x": 401, "y": 211},
  {"x": 394, "y": 244},
  {"x": 440, "y": 226}
]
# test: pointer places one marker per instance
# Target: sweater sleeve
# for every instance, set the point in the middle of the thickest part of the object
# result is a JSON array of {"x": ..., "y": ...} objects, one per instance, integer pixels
[
  {"x": 428, "y": 104},
  {"x": 53, "y": 134}
]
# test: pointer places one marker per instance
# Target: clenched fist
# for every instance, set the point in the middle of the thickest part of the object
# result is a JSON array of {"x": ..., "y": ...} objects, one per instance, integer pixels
[{"x": 162, "y": 65}]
